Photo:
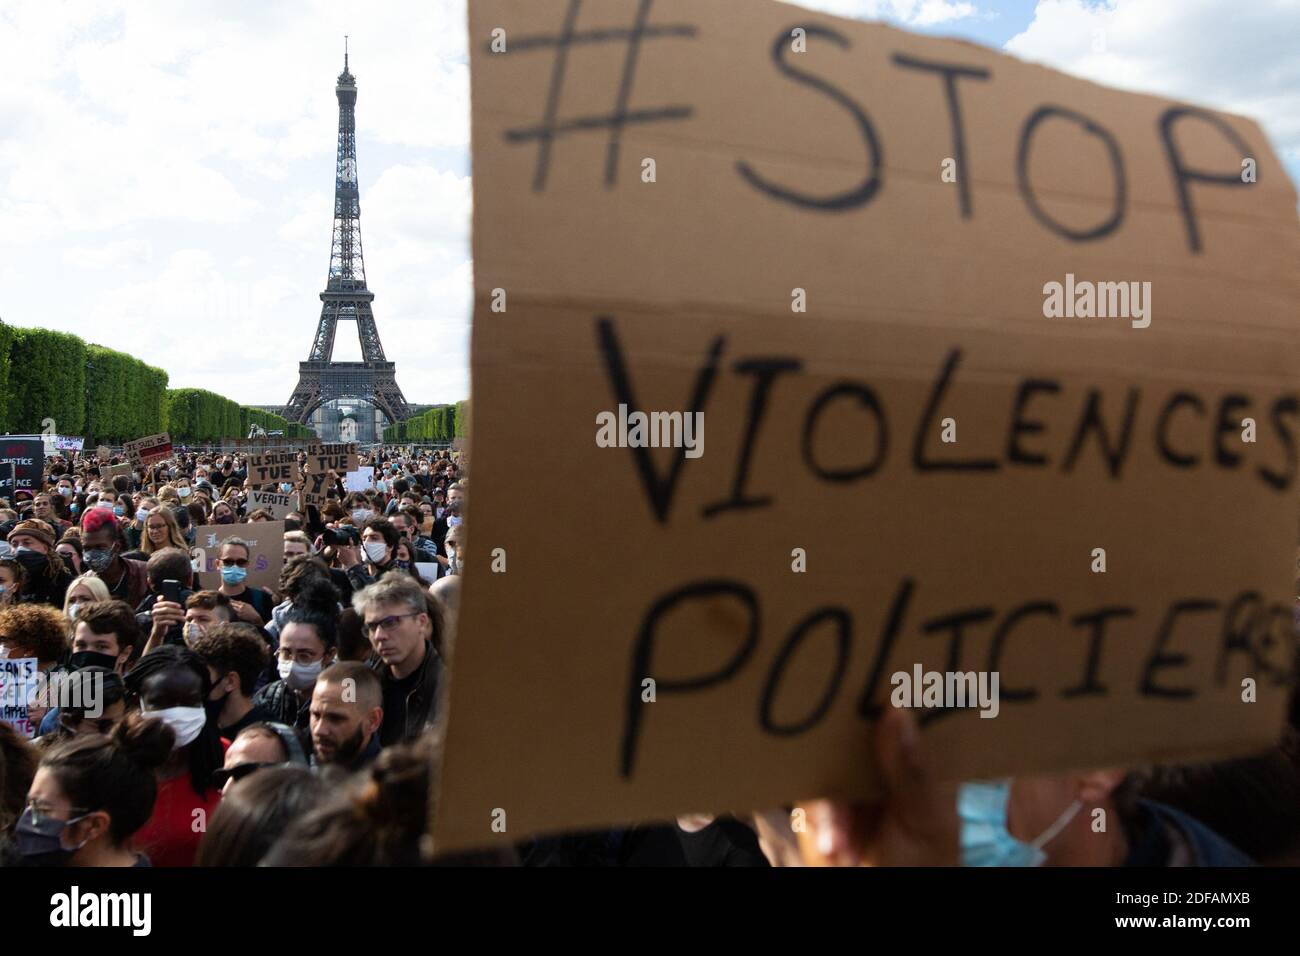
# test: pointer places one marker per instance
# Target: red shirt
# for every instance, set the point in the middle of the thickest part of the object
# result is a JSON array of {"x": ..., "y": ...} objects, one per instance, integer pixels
[{"x": 172, "y": 834}]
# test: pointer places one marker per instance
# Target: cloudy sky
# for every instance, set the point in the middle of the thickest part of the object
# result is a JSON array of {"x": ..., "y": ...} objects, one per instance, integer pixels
[{"x": 167, "y": 165}]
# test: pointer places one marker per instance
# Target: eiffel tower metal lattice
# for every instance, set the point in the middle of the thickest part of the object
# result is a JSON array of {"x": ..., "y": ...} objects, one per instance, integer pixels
[{"x": 346, "y": 298}]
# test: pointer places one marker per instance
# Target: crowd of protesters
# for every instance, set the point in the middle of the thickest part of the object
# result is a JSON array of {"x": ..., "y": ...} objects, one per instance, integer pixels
[{"x": 235, "y": 725}]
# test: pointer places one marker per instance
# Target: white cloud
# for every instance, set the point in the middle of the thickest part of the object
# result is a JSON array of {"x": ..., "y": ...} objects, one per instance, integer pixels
[
  {"x": 1240, "y": 57},
  {"x": 166, "y": 181},
  {"x": 918, "y": 13},
  {"x": 112, "y": 255}
]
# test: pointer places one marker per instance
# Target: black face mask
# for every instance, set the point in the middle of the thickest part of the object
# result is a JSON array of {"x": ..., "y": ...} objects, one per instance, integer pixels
[
  {"x": 213, "y": 707},
  {"x": 92, "y": 659}
]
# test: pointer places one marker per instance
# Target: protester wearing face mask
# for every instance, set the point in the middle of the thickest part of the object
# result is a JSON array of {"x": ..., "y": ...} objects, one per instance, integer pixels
[
  {"x": 222, "y": 513},
  {"x": 69, "y": 550},
  {"x": 308, "y": 645},
  {"x": 1027, "y": 821},
  {"x": 235, "y": 654},
  {"x": 84, "y": 589},
  {"x": 13, "y": 577},
  {"x": 101, "y": 546},
  {"x": 106, "y": 635},
  {"x": 455, "y": 553},
  {"x": 92, "y": 794},
  {"x": 32, "y": 543},
  {"x": 203, "y": 609},
  {"x": 136, "y": 530},
  {"x": 172, "y": 684},
  {"x": 346, "y": 713},
  {"x": 251, "y": 604},
  {"x": 379, "y": 546},
  {"x": 407, "y": 522}
]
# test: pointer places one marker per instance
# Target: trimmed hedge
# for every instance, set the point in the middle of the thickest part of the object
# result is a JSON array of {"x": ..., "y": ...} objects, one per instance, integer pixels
[
  {"x": 441, "y": 423},
  {"x": 6, "y": 340},
  {"x": 47, "y": 379},
  {"x": 111, "y": 397},
  {"x": 124, "y": 396}
]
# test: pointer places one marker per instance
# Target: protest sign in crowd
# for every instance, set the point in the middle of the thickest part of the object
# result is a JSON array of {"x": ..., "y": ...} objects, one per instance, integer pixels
[{"x": 265, "y": 657}]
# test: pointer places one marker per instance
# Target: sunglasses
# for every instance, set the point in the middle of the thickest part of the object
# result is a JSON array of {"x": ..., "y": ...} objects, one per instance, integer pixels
[
  {"x": 237, "y": 772},
  {"x": 234, "y": 562}
]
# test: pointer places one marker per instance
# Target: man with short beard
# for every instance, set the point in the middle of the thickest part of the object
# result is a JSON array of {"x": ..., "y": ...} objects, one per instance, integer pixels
[{"x": 346, "y": 711}]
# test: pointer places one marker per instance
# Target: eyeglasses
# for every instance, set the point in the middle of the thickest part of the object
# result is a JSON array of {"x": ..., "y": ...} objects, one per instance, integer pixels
[
  {"x": 388, "y": 622},
  {"x": 39, "y": 816},
  {"x": 234, "y": 562},
  {"x": 237, "y": 772}
]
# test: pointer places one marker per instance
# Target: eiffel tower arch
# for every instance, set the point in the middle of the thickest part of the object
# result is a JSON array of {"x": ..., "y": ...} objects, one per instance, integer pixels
[{"x": 372, "y": 382}]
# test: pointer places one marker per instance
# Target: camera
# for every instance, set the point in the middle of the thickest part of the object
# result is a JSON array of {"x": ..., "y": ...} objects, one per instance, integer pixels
[{"x": 341, "y": 537}]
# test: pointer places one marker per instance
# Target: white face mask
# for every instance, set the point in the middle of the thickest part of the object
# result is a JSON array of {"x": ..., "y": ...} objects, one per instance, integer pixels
[
  {"x": 183, "y": 491},
  {"x": 299, "y": 676},
  {"x": 376, "y": 551},
  {"x": 186, "y": 722},
  {"x": 360, "y": 515}
]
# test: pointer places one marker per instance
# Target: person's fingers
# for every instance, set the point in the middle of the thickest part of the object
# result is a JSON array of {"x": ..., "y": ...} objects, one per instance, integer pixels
[
  {"x": 904, "y": 770},
  {"x": 776, "y": 838}
]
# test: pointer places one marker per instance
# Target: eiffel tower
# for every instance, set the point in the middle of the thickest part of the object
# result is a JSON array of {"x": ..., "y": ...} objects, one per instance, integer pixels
[{"x": 321, "y": 380}]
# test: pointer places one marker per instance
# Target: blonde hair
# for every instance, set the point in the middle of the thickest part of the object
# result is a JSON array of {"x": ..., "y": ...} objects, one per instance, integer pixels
[
  {"x": 92, "y": 583},
  {"x": 174, "y": 537}
]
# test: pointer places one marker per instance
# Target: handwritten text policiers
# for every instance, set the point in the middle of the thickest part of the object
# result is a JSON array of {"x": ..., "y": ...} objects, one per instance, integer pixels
[{"x": 832, "y": 240}]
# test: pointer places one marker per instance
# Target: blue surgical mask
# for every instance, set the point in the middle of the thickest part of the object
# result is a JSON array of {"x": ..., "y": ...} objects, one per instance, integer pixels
[
  {"x": 234, "y": 576},
  {"x": 985, "y": 839},
  {"x": 119, "y": 510}
]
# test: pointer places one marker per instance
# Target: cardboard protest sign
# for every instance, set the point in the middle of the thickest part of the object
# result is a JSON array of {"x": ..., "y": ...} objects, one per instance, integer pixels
[
  {"x": 27, "y": 454},
  {"x": 146, "y": 451},
  {"x": 273, "y": 502},
  {"x": 18, "y": 682},
  {"x": 323, "y": 456},
  {"x": 363, "y": 479},
  {"x": 103, "y": 452},
  {"x": 315, "y": 488},
  {"x": 915, "y": 454},
  {"x": 265, "y": 540},
  {"x": 273, "y": 467},
  {"x": 112, "y": 471}
]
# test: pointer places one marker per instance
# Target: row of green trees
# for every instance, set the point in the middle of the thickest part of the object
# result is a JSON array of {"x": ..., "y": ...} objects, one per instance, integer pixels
[
  {"x": 108, "y": 396},
  {"x": 197, "y": 415},
  {"x": 441, "y": 423}
]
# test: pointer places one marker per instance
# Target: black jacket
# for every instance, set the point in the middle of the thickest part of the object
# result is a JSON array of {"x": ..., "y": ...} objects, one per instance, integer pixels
[
  {"x": 284, "y": 705},
  {"x": 422, "y": 710}
]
